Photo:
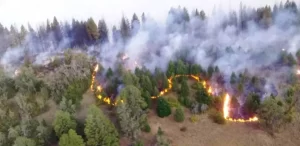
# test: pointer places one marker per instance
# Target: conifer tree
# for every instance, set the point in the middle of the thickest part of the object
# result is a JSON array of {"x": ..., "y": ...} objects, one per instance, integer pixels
[
  {"x": 163, "y": 108},
  {"x": 103, "y": 31},
  {"x": 92, "y": 30}
]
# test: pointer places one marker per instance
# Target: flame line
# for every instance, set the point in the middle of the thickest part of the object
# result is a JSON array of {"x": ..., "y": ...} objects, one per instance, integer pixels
[{"x": 226, "y": 106}]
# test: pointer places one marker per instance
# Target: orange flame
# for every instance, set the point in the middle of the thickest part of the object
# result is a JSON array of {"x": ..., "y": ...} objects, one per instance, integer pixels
[
  {"x": 209, "y": 90},
  {"x": 99, "y": 88},
  {"x": 204, "y": 84},
  {"x": 96, "y": 68},
  {"x": 226, "y": 107},
  {"x": 226, "y": 112}
]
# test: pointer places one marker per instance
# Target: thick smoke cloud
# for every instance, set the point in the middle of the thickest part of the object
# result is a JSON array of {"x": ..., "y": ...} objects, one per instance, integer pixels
[{"x": 203, "y": 41}]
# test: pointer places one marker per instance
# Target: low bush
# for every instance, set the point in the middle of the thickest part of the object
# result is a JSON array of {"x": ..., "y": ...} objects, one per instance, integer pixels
[
  {"x": 173, "y": 102},
  {"x": 179, "y": 115},
  {"x": 217, "y": 117},
  {"x": 194, "y": 118},
  {"x": 146, "y": 128}
]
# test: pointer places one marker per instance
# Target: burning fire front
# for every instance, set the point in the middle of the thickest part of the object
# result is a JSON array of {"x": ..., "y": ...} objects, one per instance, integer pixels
[{"x": 226, "y": 104}]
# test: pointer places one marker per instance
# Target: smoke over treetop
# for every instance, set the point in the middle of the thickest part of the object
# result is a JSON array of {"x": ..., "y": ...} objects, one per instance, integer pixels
[{"x": 248, "y": 39}]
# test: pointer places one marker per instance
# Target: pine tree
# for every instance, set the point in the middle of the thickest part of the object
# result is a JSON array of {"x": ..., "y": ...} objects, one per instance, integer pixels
[
  {"x": 186, "y": 16},
  {"x": 143, "y": 18},
  {"x": 103, "y": 31},
  {"x": 48, "y": 27},
  {"x": 23, "y": 33},
  {"x": 179, "y": 115},
  {"x": 171, "y": 69},
  {"x": 55, "y": 27},
  {"x": 109, "y": 73},
  {"x": 181, "y": 68},
  {"x": 130, "y": 113},
  {"x": 147, "y": 97},
  {"x": 146, "y": 84},
  {"x": 233, "y": 78},
  {"x": 210, "y": 71},
  {"x": 135, "y": 24},
  {"x": 184, "y": 91},
  {"x": 197, "y": 14},
  {"x": 125, "y": 29},
  {"x": 195, "y": 69},
  {"x": 99, "y": 130},
  {"x": 63, "y": 123},
  {"x": 71, "y": 139},
  {"x": 155, "y": 91},
  {"x": 165, "y": 81},
  {"x": 115, "y": 34},
  {"x": 202, "y": 15},
  {"x": 203, "y": 97},
  {"x": 92, "y": 30},
  {"x": 163, "y": 108}
]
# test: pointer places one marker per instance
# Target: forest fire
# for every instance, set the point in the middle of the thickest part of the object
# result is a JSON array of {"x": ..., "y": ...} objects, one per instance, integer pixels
[
  {"x": 226, "y": 112},
  {"x": 226, "y": 105}
]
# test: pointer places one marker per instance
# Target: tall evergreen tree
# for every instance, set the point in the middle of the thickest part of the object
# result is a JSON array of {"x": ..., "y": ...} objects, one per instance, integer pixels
[
  {"x": 143, "y": 18},
  {"x": 63, "y": 123},
  {"x": 125, "y": 29},
  {"x": 171, "y": 69},
  {"x": 48, "y": 27},
  {"x": 186, "y": 16},
  {"x": 71, "y": 139},
  {"x": 56, "y": 28},
  {"x": 146, "y": 84},
  {"x": 184, "y": 89},
  {"x": 99, "y": 130},
  {"x": 130, "y": 113},
  {"x": 163, "y": 108},
  {"x": 202, "y": 15},
  {"x": 23, "y": 33},
  {"x": 103, "y": 31},
  {"x": 135, "y": 24},
  {"x": 92, "y": 30}
]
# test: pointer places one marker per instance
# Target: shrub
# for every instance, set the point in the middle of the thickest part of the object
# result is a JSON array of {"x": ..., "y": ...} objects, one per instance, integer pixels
[
  {"x": 146, "y": 128},
  {"x": 194, "y": 118},
  {"x": 252, "y": 104},
  {"x": 185, "y": 101},
  {"x": 203, "y": 97},
  {"x": 173, "y": 102},
  {"x": 179, "y": 115},
  {"x": 163, "y": 108},
  {"x": 273, "y": 114},
  {"x": 217, "y": 117}
]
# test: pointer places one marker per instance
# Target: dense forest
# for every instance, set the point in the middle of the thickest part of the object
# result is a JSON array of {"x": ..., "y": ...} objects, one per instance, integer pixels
[{"x": 252, "y": 55}]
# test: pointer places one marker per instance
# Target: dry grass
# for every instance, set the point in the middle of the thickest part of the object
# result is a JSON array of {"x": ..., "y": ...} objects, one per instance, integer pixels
[{"x": 207, "y": 133}]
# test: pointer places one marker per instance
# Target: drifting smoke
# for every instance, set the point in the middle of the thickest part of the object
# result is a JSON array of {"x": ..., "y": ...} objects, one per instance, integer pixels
[{"x": 202, "y": 41}]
